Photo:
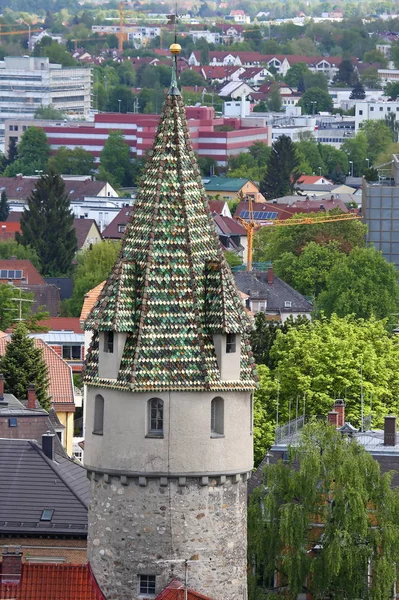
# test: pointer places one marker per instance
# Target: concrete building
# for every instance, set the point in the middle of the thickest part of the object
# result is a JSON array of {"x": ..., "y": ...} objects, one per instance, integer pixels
[
  {"x": 380, "y": 207},
  {"x": 169, "y": 376},
  {"x": 365, "y": 111},
  {"x": 29, "y": 82},
  {"x": 139, "y": 132}
]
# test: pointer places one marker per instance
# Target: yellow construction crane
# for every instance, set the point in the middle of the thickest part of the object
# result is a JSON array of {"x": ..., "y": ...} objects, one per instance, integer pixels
[
  {"x": 250, "y": 225},
  {"x": 21, "y": 32}
]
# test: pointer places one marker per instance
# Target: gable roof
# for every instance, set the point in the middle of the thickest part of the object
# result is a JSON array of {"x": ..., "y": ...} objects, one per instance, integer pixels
[
  {"x": 155, "y": 294},
  {"x": 89, "y": 301},
  {"x": 53, "y": 582},
  {"x": 19, "y": 188},
  {"x": 62, "y": 324},
  {"x": 29, "y": 272},
  {"x": 216, "y": 206},
  {"x": 229, "y": 226},
  {"x": 82, "y": 228},
  {"x": 112, "y": 230},
  {"x": 8, "y": 229},
  {"x": 311, "y": 179},
  {"x": 31, "y": 482},
  {"x": 256, "y": 285},
  {"x": 60, "y": 387},
  {"x": 176, "y": 591},
  {"x": 224, "y": 184}
]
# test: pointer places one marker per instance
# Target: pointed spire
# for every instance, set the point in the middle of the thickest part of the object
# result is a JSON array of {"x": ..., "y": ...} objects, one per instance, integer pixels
[
  {"x": 175, "y": 50},
  {"x": 171, "y": 289}
]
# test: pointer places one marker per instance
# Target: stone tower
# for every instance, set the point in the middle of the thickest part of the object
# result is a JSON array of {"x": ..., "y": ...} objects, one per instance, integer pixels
[{"x": 169, "y": 377}]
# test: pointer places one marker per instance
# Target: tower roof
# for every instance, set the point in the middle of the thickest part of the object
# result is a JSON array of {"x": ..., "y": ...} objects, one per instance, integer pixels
[{"x": 171, "y": 289}]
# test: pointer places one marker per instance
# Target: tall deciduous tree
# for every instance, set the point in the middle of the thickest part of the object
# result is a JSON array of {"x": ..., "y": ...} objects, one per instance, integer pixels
[
  {"x": 47, "y": 225},
  {"x": 72, "y": 162},
  {"x": 363, "y": 283},
  {"x": 315, "y": 100},
  {"x": 325, "y": 521},
  {"x": 33, "y": 149},
  {"x": 4, "y": 206},
  {"x": 22, "y": 365},
  {"x": 115, "y": 165},
  {"x": 10, "y": 248},
  {"x": 282, "y": 169}
]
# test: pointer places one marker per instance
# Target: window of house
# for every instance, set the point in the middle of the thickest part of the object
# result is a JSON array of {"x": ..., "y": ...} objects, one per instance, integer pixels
[
  {"x": 288, "y": 304},
  {"x": 371, "y": 108},
  {"x": 147, "y": 584},
  {"x": 155, "y": 416},
  {"x": 109, "y": 342},
  {"x": 230, "y": 343},
  {"x": 12, "y": 422},
  {"x": 360, "y": 112},
  {"x": 98, "y": 425},
  {"x": 381, "y": 108},
  {"x": 71, "y": 352},
  {"x": 47, "y": 514},
  {"x": 122, "y": 227},
  {"x": 217, "y": 416}
]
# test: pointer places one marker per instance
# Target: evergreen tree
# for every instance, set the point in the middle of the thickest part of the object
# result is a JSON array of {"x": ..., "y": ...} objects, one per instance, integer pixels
[
  {"x": 282, "y": 169},
  {"x": 4, "y": 207},
  {"x": 326, "y": 521},
  {"x": 358, "y": 92},
  {"x": 23, "y": 364},
  {"x": 47, "y": 225},
  {"x": 12, "y": 151}
]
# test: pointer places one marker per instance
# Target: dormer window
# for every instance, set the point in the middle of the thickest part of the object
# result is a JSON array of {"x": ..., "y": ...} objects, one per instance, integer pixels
[
  {"x": 231, "y": 343},
  {"x": 288, "y": 304},
  {"x": 109, "y": 342}
]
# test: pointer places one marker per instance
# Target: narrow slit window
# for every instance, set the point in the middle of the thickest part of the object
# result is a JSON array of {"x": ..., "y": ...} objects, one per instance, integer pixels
[
  {"x": 231, "y": 343},
  {"x": 155, "y": 416},
  {"x": 217, "y": 417},
  {"x": 109, "y": 342},
  {"x": 98, "y": 426}
]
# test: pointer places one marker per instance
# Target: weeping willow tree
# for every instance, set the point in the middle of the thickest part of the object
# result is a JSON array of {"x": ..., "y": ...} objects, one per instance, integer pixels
[{"x": 325, "y": 522}]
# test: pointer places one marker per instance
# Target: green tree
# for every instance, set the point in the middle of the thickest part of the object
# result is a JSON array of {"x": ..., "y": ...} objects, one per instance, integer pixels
[
  {"x": 335, "y": 162},
  {"x": 93, "y": 266},
  {"x": 346, "y": 73},
  {"x": 22, "y": 365},
  {"x": 321, "y": 518},
  {"x": 376, "y": 56},
  {"x": 371, "y": 78},
  {"x": 4, "y": 206},
  {"x": 363, "y": 283},
  {"x": 9, "y": 307},
  {"x": 265, "y": 407},
  {"x": 274, "y": 100},
  {"x": 9, "y": 248},
  {"x": 120, "y": 99},
  {"x": 315, "y": 100},
  {"x": 393, "y": 125},
  {"x": 47, "y": 225},
  {"x": 57, "y": 53},
  {"x": 48, "y": 112},
  {"x": 310, "y": 151},
  {"x": 191, "y": 78},
  {"x": 115, "y": 165},
  {"x": 126, "y": 73},
  {"x": 392, "y": 90},
  {"x": 358, "y": 92},
  {"x": 308, "y": 272},
  {"x": 295, "y": 73},
  {"x": 282, "y": 169},
  {"x": 270, "y": 243},
  {"x": 332, "y": 358},
  {"x": 356, "y": 149},
  {"x": 378, "y": 135},
  {"x": 12, "y": 152},
  {"x": 314, "y": 80},
  {"x": 233, "y": 260},
  {"x": 33, "y": 151},
  {"x": 260, "y": 152},
  {"x": 72, "y": 162}
]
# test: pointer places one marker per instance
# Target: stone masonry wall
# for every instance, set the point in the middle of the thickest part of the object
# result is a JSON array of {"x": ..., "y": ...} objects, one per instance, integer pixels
[{"x": 151, "y": 526}]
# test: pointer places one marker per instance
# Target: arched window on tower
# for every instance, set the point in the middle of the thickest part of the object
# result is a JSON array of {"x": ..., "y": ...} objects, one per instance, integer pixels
[
  {"x": 217, "y": 417},
  {"x": 98, "y": 425},
  {"x": 155, "y": 417}
]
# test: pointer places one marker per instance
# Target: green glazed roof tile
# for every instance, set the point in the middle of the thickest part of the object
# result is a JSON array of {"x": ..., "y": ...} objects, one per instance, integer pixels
[{"x": 171, "y": 289}]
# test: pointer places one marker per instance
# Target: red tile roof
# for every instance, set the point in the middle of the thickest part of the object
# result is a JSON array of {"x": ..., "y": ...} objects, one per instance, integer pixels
[
  {"x": 8, "y": 230},
  {"x": 53, "y": 582},
  {"x": 314, "y": 179},
  {"x": 60, "y": 375},
  {"x": 62, "y": 324},
  {"x": 29, "y": 272},
  {"x": 90, "y": 299},
  {"x": 176, "y": 591}
]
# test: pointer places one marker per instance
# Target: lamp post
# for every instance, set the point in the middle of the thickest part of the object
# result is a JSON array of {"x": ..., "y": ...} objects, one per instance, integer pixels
[
  {"x": 351, "y": 167},
  {"x": 28, "y": 25},
  {"x": 368, "y": 162},
  {"x": 320, "y": 171},
  {"x": 313, "y": 102},
  {"x": 119, "y": 104}
]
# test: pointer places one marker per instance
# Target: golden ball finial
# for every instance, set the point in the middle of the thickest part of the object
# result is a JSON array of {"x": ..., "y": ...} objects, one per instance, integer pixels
[{"x": 175, "y": 48}]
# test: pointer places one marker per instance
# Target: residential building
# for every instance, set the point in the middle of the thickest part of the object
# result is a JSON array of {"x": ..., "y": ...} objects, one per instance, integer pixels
[
  {"x": 44, "y": 511},
  {"x": 207, "y": 134},
  {"x": 8, "y": 230},
  {"x": 365, "y": 111},
  {"x": 380, "y": 209},
  {"x": 231, "y": 188},
  {"x": 29, "y": 82},
  {"x": 66, "y": 338},
  {"x": 139, "y": 34},
  {"x": 232, "y": 236},
  {"x": 116, "y": 228},
  {"x": 87, "y": 232},
  {"x": 235, "y": 90},
  {"x": 239, "y": 16},
  {"x": 268, "y": 293},
  {"x": 60, "y": 390},
  {"x": 212, "y": 37},
  {"x": 184, "y": 382}
]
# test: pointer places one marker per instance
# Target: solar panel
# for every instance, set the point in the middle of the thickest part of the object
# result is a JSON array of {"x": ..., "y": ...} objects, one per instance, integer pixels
[{"x": 244, "y": 214}]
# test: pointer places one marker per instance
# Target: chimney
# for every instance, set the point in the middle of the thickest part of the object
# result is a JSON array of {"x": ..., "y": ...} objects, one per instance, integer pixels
[
  {"x": 11, "y": 566},
  {"x": 332, "y": 418},
  {"x": 31, "y": 396},
  {"x": 390, "y": 431},
  {"x": 270, "y": 275},
  {"x": 48, "y": 444},
  {"x": 339, "y": 407}
]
